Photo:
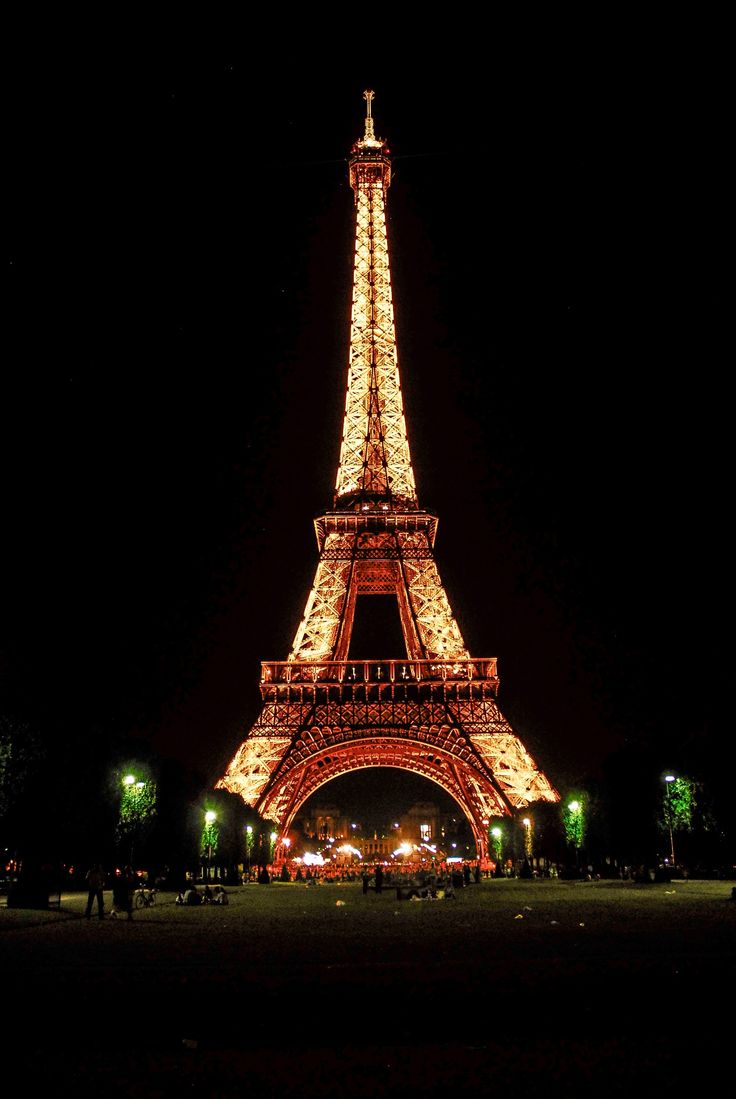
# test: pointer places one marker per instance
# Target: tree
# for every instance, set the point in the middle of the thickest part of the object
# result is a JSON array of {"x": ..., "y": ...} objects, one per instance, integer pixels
[
  {"x": 21, "y": 756},
  {"x": 678, "y": 804},
  {"x": 137, "y": 812},
  {"x": 574, "y": 813},
  {"x": 20, "y": 752},
  {"x": 677, "y": 808}
]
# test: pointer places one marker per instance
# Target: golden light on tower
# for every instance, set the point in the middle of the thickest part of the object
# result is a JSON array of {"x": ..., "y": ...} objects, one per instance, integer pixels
[{"x": 433, "y": 709}]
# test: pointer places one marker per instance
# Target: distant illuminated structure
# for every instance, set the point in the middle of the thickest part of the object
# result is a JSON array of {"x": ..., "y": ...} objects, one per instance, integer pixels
[{"x": 432, "y": 711}]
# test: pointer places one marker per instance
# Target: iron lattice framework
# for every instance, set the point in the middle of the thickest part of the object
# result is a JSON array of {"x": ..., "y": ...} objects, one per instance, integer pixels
[{"x": 435, "y": 712}]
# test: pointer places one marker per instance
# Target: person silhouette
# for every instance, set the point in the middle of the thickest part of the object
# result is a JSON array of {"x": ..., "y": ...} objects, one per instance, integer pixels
[
  {"x": 95, "y": 879},
  {"x": 122, "y": 893}
]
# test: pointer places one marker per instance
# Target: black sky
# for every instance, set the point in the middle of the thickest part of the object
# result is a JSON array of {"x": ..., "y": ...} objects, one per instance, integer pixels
[{"x": 178, "y": 291}]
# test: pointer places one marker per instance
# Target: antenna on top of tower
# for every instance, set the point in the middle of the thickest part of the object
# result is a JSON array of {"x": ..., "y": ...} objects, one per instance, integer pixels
[{"x": 369, "y": 133}]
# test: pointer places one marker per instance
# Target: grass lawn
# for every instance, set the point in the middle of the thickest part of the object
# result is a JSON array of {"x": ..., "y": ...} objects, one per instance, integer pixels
[{"x": 305, "y": 990}]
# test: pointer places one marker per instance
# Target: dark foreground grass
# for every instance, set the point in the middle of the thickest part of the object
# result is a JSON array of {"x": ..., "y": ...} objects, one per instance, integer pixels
[{"x": 563, "y": 987}]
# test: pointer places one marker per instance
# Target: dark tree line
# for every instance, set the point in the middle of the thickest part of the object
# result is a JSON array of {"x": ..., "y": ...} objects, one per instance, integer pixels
[{"x": 61, "y": 803}]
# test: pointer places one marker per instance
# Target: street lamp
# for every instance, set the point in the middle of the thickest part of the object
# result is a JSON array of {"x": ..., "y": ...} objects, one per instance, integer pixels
[
  {"x": 497, "y": 849},
  {"x": 575, "y": 827},
  {"x": 132, "y": 807},
  {"x": 248, "y": 848},
  {"x": 527, "y": 837},
  {"x": 209, "y": 825},
  {"x": 668, "y": 779}
]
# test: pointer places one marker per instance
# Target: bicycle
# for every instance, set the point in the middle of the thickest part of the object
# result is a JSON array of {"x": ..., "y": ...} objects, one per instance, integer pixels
[{"x": 144, "y": 897}]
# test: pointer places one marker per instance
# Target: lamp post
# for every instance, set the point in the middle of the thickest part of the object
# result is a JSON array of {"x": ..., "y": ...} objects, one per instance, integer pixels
[
  {"x": 132, "y": 788},
  {"x": 209, "y": 821},
  {"x": 497, "y": 849},
  {"x": 527, "y": 837},
  {"x": 667, "y": 780},
  {"x": 575, "y": 808},
  {"x": 248, "y": 848}
]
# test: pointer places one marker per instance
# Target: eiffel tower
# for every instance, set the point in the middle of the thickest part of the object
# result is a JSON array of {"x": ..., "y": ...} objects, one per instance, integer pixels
[{"x": 433, "y": 711}]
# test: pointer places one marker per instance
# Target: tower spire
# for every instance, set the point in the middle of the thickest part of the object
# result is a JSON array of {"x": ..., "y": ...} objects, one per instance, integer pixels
[
  {"x": 375, "y": 469},
  {"x": 369, "y": 132}
]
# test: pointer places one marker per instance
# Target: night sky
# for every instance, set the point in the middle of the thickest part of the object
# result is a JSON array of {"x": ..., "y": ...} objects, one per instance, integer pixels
[{"x": 177, "y": 304}]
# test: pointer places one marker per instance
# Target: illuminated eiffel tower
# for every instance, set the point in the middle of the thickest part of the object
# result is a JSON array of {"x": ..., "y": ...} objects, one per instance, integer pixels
[{"x": 433, "y": 711}]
